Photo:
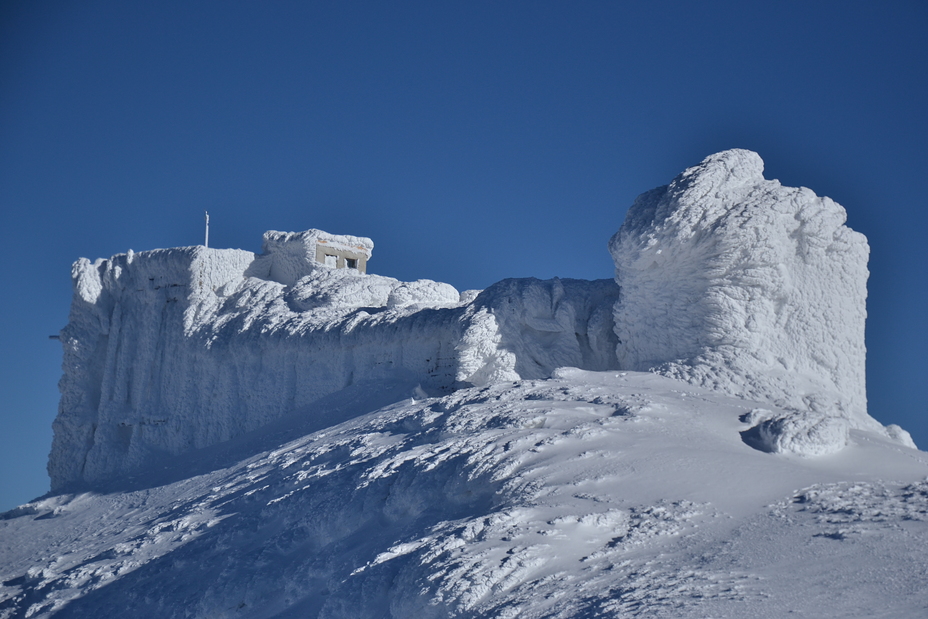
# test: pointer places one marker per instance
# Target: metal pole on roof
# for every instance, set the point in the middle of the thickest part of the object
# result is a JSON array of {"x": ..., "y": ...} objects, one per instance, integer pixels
[{"x": 206, "y": 240}]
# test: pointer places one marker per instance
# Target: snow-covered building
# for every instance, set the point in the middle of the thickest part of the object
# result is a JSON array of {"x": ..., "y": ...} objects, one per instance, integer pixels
[
  {"x": 303, "y": 251},
  {"x": 724, "y": 280},
  {"x": 177, "y": 349}
]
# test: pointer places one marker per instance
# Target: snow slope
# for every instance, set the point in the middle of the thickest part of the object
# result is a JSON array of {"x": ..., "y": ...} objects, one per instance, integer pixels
[{"x": 585, "y": 495}]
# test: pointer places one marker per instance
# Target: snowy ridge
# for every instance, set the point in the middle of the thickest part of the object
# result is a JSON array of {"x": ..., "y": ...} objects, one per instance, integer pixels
[{"x": 585, "y": 495}]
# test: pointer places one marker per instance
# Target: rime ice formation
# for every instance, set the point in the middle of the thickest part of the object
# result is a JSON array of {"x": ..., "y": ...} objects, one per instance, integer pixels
[
  {"x": 526, "y": 328},
  {"x": 739, "y": 284},
  {"x": 725, "y": 280},
  {"x": 172, "y": 350}
]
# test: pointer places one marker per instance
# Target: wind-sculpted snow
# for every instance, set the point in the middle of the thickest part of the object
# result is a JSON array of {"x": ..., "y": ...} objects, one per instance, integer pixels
[
  {"x": 172, "y": 350},
  {"x": 526, "y": 328},
  {"x": 742, "y": 285},
  {"x": 805, "y": 434},
  {"x": 585, "y": 495}
]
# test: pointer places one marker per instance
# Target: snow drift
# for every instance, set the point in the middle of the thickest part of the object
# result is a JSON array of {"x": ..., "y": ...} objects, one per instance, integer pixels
[{"x": 724, "y": 279}]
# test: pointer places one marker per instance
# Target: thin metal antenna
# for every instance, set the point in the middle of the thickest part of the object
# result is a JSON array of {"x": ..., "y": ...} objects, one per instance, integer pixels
[{"x": 206, "y": 240}]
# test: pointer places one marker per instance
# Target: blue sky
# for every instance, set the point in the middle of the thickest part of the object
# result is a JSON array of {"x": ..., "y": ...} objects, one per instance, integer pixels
[{"x": 523, "y": 130}]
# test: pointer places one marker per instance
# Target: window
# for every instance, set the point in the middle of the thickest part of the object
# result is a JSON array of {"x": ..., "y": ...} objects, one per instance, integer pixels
[
  {"x": 330, "y": 260},
  {"x": 351, "y": 263}
]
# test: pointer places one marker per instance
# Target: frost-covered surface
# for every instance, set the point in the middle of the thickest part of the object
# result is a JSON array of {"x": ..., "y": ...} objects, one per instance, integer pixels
[
  {"x": 739, "y": 284},
  {"x": 526, "y": 328},
  {"x": 172, "y": 350},
  {"x": 807, "y": 433},
  {"x": 585, "y": 495}
]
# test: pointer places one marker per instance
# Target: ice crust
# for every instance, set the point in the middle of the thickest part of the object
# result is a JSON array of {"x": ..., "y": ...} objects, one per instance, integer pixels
[{"x": 725, "y": 280}]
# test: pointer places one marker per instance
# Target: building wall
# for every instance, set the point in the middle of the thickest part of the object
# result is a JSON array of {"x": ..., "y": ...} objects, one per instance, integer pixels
[{"x": 341, "y": 256}]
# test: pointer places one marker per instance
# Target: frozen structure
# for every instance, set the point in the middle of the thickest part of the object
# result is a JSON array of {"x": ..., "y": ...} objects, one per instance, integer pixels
[
  {"x": 298, "y": 253},
  {"x": 725, "y": 280},
  {"x": 742, "y": 285},
  {"x": 177, "y": 349}
]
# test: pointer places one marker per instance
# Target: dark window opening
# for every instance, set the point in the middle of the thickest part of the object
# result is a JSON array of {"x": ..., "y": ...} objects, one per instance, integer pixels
[{"x": 351, "y": 263}]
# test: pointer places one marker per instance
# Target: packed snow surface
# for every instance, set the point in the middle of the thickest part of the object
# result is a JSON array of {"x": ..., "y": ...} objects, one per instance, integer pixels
[
  {"x": 590, "y": 494},
  {"x": 267, "y": 435}
]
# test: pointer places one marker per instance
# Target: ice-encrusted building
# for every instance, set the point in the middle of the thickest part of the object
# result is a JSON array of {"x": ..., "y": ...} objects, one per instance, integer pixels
[
  {"x": 723, "y": 279},
  {"x": 298, "y": 252},
  {"x": 171, "y": 350}
]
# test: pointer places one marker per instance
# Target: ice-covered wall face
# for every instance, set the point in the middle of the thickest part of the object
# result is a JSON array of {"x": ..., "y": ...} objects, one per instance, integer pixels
[
  {"x": 737, "y": 283},
  {"x": 172, "y": 350},
  {"x": 124, "y": 353},
  {"x": 527, "y": 328}
]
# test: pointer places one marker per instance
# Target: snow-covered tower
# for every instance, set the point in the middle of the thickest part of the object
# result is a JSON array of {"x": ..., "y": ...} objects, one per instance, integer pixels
[{"x": 745, "y": 286}]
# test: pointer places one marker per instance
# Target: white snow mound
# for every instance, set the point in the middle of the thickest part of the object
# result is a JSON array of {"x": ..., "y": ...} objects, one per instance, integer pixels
[{"x": 793, "y": 432}]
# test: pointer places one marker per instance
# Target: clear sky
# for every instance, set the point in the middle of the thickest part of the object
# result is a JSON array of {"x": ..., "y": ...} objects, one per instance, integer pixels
[{"x": 521, "y": 130}]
